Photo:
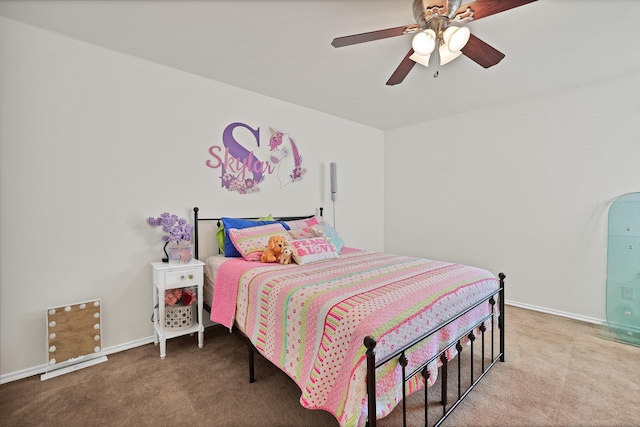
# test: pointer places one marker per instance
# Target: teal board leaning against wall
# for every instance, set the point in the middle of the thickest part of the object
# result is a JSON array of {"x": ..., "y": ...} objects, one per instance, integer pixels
[{"x": 623, "y": 268}]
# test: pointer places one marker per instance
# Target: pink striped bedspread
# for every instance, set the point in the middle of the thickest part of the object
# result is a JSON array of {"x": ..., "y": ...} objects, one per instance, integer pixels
[{"x": 311, "y": 320}]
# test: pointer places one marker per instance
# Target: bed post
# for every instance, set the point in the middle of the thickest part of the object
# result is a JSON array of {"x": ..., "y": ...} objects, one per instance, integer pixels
[
  {"x": 195, "y": 231},
  {"x": 252, "y": 374},
  {"x": 501, "y": 316},
  {"x": 370, "y": 344}
]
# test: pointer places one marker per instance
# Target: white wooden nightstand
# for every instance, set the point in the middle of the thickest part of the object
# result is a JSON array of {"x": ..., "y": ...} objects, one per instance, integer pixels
[{"x": 172, "y": 276}]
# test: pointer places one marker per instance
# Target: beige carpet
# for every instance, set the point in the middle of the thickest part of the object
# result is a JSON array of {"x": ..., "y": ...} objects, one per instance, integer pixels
[{"x": 558, "y": 372}]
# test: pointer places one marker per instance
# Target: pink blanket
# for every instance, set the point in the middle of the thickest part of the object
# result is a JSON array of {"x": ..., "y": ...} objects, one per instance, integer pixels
[
  {"x": 225, "y": 291},
  {"x": 311, "y": 320}
]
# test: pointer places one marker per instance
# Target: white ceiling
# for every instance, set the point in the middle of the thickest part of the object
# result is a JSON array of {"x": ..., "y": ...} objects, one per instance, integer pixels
[{"x": 282, "y": 49}]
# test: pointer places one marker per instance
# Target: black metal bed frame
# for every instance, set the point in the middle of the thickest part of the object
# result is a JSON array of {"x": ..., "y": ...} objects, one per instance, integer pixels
[
  {"x": 400, "y": 354},
  {"x": 196, "y": 220}
]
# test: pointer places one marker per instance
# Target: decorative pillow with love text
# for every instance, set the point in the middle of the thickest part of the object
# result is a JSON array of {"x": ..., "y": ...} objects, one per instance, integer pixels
[{"x": 312, "y": 250}]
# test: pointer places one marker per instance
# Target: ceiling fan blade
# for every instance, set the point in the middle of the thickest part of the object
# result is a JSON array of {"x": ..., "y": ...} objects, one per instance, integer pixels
[
  {"x": 403, "y": 69},
  {"x": 373, "y": 35},
  {"x": 481, "y": 53},
  {"x": 484, "y": 8}
]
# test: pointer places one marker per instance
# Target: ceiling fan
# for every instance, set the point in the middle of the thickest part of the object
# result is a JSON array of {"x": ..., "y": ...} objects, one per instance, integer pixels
[{"x": 439, "y": 36}]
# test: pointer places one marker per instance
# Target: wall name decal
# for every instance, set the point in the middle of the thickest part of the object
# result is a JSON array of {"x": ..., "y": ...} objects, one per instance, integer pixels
[{"x": 242, "y": 168}]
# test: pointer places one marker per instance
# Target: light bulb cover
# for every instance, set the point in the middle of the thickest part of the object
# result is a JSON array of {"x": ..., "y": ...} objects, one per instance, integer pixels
[
  {"x": 420, "y": 59},
  {"x": 446, "y": 55},
  {"x": 424, "y": 42},
  {"x": 455, "y": 38}
]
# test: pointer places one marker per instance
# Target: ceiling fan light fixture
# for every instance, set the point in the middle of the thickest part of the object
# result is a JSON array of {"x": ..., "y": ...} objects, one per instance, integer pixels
[
  {"x": 424, "y": 42},
  {"x": 455, "y": 38},
  {"x": 440, "y": 34}
]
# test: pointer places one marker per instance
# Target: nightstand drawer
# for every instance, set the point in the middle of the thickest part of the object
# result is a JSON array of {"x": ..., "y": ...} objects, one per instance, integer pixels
[{"x": 186, "y": 277}]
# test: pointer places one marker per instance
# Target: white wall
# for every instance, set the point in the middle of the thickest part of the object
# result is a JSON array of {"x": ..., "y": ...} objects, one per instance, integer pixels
[
  {"x": 522, "y": 188},
  {"x": 93, "y": 142}
]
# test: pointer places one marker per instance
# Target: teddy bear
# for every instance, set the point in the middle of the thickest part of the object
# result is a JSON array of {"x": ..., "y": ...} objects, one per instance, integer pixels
[
  {"x": 274, "y": 249},
  {"x": 287, "y": 253}
]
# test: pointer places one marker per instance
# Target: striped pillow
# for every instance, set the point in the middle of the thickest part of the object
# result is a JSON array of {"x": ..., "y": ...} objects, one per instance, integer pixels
[{"x": 252, "y": 241}]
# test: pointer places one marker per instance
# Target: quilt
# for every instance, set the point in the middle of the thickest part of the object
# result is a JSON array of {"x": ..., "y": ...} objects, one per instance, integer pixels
[{"x": 311, "y": 320}]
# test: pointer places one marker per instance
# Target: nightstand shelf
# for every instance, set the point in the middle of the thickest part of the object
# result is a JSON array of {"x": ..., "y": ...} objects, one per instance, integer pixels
[{"x": 171, "y": 276}]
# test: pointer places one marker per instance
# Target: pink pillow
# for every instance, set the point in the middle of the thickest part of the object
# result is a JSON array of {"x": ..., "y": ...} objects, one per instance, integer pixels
[
  {"x": 312, "y": 250},
  {"x": 303, "y": 233},
  {"x": 302, "y": 223},
  {"x": 252, "y": 241}
]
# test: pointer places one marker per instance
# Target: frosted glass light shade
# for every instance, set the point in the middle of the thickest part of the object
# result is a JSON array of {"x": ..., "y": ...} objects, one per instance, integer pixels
[
  {"x": 424, "y": 42},
  {"x": 420, "y": 59},
  {"x": 446, "y": 55},
  {"x": 455, "y": 38}
]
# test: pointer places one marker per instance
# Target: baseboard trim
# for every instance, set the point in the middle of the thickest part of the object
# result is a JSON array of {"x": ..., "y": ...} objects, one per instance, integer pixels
[
  {"x": 556, "y": 312},
  {"x": 38, "y": 370},
  {"x": 41, "y": 369}
]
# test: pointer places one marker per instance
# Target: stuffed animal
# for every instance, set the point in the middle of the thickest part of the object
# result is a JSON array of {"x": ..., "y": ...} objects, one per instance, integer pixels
[
  {"x": 287, "y": 253},
  {"x": 274, "y": 249}
]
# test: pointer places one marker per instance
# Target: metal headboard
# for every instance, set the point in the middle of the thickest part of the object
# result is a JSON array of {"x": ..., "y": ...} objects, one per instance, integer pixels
[{"x": 197, "y": 219}]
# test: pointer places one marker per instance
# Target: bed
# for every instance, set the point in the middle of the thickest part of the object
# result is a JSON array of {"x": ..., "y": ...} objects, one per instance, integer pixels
[{"x": 358, "y": 331}]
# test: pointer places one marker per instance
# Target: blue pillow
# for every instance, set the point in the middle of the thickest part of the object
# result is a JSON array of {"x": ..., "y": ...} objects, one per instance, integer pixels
[
  {"x": 331, "y": 235},
  {"x": 230, "y": 251}
]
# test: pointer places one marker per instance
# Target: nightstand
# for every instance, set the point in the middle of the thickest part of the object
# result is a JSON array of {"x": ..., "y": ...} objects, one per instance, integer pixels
[{"x": 172, "y": 276}]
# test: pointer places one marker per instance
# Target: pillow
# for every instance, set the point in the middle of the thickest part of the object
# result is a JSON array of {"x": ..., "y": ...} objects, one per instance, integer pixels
[
  {"x": 252, "y": 241},
  {"x": 325, "y": 230},
  {"x": 303, "y": 233},
  {"x": 312, "y": 250},
  {"x": 302, "y": 223},
  {"x": 220, "y": 234},
  {"x": 230, "y": 251}
]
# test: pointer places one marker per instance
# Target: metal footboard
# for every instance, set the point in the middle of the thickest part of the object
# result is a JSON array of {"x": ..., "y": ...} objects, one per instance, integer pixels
[{"x": 470, "y": 334}]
